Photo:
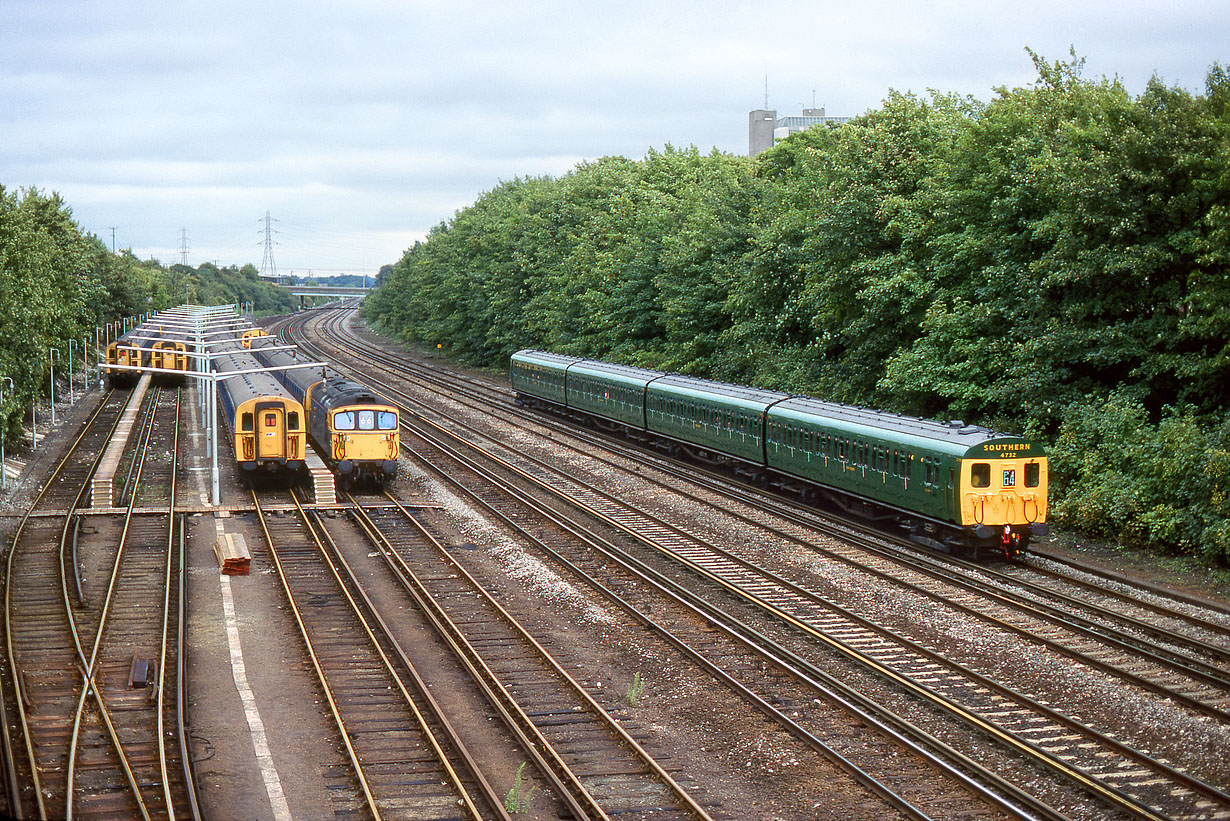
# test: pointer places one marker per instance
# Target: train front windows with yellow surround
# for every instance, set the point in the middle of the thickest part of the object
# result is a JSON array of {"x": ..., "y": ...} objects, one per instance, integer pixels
[
  {"x": 367, "y": 420},
  {"x": 246, "y": 422},
  {"x": 343, "y": 420},
  {"x": 1033, "y": 474},
  {"x": 292, "y": 421},
  {"x": 980, "y": 474},
  {"x": 386, "y": 420}
]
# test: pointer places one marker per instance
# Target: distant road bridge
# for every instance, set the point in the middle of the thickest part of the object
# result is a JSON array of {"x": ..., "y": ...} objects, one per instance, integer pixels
[{"x": 340, "y": 291}]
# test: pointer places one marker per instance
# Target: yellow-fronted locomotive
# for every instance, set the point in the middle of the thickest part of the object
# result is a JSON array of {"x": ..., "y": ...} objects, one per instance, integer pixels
[
  {"x": 267, "y": 424},
  {"x": 356, "y": 430}
]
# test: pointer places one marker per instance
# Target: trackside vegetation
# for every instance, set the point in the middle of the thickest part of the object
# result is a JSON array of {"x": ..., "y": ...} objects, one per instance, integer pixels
[
  {"x": 1055, "y": 261},
  {"x": 59, "y": 283}
]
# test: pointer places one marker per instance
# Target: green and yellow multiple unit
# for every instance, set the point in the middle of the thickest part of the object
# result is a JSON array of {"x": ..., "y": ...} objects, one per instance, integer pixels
[{"x": 953, "y": 487}]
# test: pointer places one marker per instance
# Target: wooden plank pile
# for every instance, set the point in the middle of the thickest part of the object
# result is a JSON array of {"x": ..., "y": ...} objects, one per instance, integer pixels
[{"x": 233, "y": 555}]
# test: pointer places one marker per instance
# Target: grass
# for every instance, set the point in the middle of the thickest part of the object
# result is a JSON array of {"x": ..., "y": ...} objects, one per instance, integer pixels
[
  {"x": 636, "y": 689},
  {"x": 518, "y": 798}
]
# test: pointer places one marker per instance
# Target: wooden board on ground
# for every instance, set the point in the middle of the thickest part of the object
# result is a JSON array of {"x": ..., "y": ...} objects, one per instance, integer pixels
[{"x": 233, "y": 555}]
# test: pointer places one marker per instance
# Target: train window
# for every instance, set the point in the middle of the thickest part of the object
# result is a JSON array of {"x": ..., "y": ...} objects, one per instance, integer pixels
[
  {"x": 980, "y": 474},
  {"x": 386, "y": 420},
  {"x": 1033, "y": 474},
  {"x": 246, "y": 422},
  {"x": 843, "y": 447},
  {"x": 271, "y": 420},
  {"x": 367, "y": 420},
  {"x": 343, "y": 420},
  {"x": 292, "y": 421}
]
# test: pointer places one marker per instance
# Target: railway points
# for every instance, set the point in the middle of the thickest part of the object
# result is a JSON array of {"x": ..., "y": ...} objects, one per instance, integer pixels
[{"x": 658, "y": 573}]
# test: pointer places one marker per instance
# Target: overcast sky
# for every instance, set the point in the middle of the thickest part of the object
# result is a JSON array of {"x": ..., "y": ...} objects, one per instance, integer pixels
[{"x": 360, "y": 124}]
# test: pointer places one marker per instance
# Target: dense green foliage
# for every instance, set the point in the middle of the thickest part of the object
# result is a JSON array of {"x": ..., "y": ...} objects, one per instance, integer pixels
[
  {"x": 1054, "y": 261},
  {"x": 58, "y": 283}
]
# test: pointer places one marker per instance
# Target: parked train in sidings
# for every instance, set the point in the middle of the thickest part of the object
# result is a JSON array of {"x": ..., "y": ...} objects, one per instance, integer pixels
[
  {"x": 356, "y": 430},
  {"x": 267, "y": 424},
  {"x": 150, "y": 346},
  {"x": 961, "y": 489},
  {"x": 127, "y": 350}
]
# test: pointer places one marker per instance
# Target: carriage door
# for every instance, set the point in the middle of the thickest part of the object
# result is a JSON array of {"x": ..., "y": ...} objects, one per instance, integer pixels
[{"x": 270, "y": 432}]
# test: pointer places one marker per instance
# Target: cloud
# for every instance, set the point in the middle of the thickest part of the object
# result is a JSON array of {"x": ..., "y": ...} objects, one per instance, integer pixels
[{"x": 365, "y": 123}]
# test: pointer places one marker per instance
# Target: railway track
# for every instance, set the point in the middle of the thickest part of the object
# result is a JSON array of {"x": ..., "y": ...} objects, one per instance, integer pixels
[
  {"x": 383, "y": 706},
  {"x": 937, "y": 789},
  {"x": 1184, "y": 643},
  {"x": 1052, "y": 741},
  {"x": 1141, "y": 785},
  {"x": 1131, "y": 605},
  {"x": 94, "y": 616},
  {"x": 404, "y": 755}
]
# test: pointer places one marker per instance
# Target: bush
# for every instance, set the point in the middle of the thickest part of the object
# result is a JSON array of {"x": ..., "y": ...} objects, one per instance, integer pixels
[{"x": 1166, "y": 483}]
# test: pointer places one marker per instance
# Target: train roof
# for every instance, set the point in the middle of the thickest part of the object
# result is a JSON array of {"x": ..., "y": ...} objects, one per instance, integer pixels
[
  {"x": 953, "y": 436},
  {"x": 304, "y": 376},
  {"x": 250, "y": 384},
  {"x": 338, "y": 390},
  {"x": 628, "y": 374},
  {"x": 751, "y": 398},
  {"x": 556, "y": 360}
]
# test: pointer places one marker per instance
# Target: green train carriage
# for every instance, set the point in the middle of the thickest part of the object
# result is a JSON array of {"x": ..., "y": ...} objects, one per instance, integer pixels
[
  {"x": 538, "y": 377},
  {"x": 610, "y": 393},
  {"x": 713, "y": 421},
  {"x": 951, "y": 485},
  {"x": 955, "y": 487}
]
